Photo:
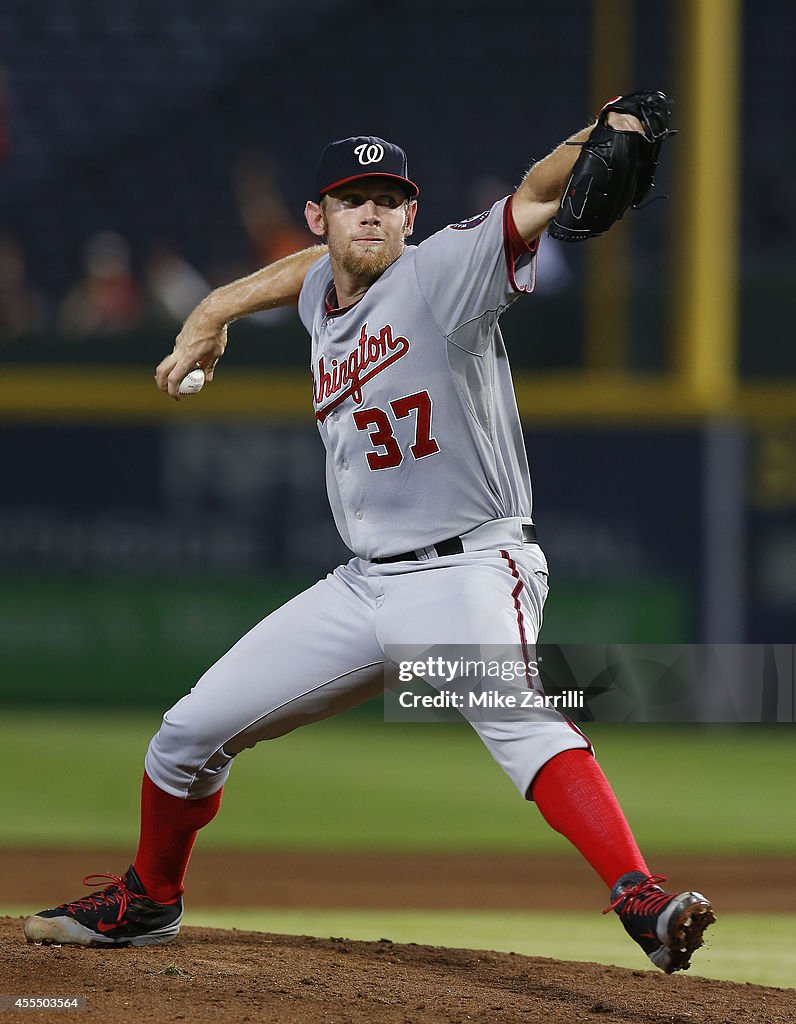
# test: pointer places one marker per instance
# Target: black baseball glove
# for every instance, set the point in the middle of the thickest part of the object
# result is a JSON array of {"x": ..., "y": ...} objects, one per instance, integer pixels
[{"x": 615, "y": 169}]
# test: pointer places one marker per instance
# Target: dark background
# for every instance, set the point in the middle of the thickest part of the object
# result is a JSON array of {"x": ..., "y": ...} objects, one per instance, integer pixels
[{"x": 151, "y": 151}]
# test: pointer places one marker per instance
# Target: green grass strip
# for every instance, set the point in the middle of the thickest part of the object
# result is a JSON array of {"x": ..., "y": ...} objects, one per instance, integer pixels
[{"x": 73, "y": 778}]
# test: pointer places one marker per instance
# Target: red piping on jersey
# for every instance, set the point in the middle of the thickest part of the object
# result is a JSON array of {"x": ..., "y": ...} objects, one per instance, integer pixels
[
  {"x": 334, "y": 310},
  {"x": 515, "y": 593},
  {"x": 515, "y": 246},
  {"x": 574, "y": 728}
]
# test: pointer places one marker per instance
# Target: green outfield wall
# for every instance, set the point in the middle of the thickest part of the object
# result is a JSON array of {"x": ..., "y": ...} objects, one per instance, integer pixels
[{"x": 133, "y": 642}]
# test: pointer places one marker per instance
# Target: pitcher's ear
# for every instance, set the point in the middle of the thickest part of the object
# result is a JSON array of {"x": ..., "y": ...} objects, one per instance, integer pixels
[{"x": 315, "y": 218}]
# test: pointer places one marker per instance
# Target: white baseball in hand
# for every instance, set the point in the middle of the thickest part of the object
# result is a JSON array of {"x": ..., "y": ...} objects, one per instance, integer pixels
[{"x": 193, "y": 382}]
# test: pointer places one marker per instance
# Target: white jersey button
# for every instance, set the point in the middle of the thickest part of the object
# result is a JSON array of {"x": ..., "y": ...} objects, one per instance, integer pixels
[
  {"x": 345, "y": 463},
  {"x": 359, "y": 514}
]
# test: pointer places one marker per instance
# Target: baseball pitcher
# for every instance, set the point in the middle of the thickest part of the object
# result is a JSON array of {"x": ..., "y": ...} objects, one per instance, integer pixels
[{"x": 428, "y": 483}]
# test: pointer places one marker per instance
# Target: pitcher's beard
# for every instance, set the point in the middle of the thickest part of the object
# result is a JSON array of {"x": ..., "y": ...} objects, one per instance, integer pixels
[{"x": 371, "y": 263}]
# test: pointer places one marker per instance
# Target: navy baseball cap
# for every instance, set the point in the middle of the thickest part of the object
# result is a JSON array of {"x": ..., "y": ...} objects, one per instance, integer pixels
[{"x": 362, "y": 156}]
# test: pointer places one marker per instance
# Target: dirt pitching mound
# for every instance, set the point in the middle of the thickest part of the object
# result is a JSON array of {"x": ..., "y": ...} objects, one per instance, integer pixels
[{"x": 217, "y": 976}]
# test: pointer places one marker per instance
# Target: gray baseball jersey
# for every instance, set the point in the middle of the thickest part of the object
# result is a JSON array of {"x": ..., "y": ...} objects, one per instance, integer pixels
[{"x": 413, "y": 393}]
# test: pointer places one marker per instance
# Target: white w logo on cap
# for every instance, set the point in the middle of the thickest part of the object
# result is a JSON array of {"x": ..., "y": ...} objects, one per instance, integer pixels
[{"x": 369, "y": 153}]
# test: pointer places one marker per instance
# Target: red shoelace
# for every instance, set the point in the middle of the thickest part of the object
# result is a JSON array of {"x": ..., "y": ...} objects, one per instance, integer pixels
[
  {"x": 117, "y": 893},
  {"x": 638, "y": 898}
]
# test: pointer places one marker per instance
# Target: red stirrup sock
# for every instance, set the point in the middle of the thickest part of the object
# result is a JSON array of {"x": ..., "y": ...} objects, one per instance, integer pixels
[
  {"x": 576, "y": 800},
  {"x": 168, "y": 829}
]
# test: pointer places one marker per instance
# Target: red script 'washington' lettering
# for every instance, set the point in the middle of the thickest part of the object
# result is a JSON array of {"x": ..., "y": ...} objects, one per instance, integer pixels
[{"x": 344, "y": 378}]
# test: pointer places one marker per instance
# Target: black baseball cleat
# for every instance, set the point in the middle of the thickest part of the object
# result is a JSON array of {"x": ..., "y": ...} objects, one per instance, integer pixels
[
  {"x": 668, "y": 928},
  {"x": 119, "y": 915}
]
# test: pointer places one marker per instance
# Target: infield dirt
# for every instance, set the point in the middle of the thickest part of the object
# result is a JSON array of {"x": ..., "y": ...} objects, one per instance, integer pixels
[
  {"x": 209, "y": 975},
  {"x": 215, "y": 976}
]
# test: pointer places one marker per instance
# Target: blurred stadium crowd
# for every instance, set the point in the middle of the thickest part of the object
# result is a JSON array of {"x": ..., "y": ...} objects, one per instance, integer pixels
[
  {"x": 152, "y": 151},
  {"x": 122, "y": 285}
]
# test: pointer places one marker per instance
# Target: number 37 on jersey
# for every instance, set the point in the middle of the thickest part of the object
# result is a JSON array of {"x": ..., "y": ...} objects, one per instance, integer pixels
[{"x": 386, "y": 453}]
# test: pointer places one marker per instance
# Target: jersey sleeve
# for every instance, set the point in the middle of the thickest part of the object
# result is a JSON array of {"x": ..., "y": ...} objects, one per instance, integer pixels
[
  {"x": 476, "y": 267},
  {"x": 313, "y": 291}
]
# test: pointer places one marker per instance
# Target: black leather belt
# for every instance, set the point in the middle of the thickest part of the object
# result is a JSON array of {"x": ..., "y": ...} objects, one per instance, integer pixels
[{"x": 452, "y": 546}]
